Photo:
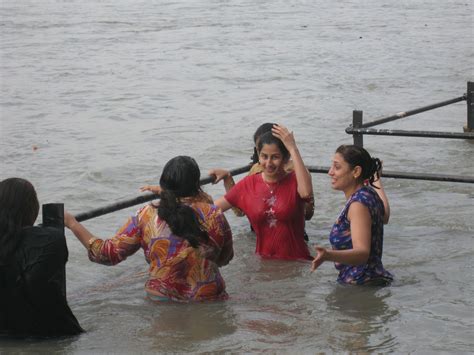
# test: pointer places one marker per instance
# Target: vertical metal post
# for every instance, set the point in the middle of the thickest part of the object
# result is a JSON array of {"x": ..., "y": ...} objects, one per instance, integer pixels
[
  {"x": 470, "y": 107},
  {"x": 357, "y": 123}
]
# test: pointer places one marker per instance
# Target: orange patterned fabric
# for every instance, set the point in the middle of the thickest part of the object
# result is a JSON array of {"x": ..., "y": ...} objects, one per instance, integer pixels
[{"x": 177, "y": 271}]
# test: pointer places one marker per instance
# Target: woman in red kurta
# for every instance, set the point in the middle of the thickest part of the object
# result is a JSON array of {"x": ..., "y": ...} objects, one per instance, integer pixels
[{"x": 273, "y": 200}]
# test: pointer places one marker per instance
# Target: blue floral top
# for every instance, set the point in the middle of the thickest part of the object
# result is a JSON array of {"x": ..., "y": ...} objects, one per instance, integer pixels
[{"x": 340, "y": 238}]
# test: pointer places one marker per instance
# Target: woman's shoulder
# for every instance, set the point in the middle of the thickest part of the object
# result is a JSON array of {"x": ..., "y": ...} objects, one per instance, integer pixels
[
  {"x": 205, "y": 208},
  {"x": 40, "y": 240},
  {"x": 255, "y": 169},
  {"x": 289, "y": 178},
  {"x": 41, "y": 234},
  {"x": 365, "y": 195},
  {"x": 247, "y": 182},
  {"x": 148, "y": 211}
]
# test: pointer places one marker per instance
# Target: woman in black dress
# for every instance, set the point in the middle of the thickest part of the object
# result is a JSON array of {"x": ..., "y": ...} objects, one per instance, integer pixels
[{"x": 32, "y": 268}]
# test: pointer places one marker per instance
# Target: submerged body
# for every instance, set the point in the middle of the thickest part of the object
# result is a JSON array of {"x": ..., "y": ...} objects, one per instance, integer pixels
[
  {"x": 340, "y": 237},
  {"x": 357, "y": 236},
  {"x": 274, "y": 200},
  {"x": 177, "y": 271},
  {"x": 276, "y": 213}
]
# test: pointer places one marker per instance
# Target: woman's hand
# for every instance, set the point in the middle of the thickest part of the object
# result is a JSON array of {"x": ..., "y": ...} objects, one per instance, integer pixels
[
  {"x": 218, "y": 175},
  {"x": 81, "y": 233},
  {"x": 303, "y": 177},
  {"x": 69, "y": 220},
  {"x": 156, "y": 189},
  {"x": 282, "y": 133},
  {"x": 320, "y": 257}
]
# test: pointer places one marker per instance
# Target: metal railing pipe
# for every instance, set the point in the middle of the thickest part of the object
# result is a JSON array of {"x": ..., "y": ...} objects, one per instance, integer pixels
[
  {"x": 470, "y": 106},
  {"x": 312, "y": 168},
  {"x": 120, "y": 205},
  {"x": 403, "y": 133},
  {"x": 407, "y": 175},
  {"x": 413, "y": 112}
]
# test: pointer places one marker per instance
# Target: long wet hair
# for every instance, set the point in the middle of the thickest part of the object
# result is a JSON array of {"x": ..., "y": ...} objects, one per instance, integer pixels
[
  {"x": 358, "y": 156},
  {"x": 269, "y": 138},
  {"x": 263, "y": 128},
  {"x": 180, "y": 178},
  {"x": 19, "y": 208}
]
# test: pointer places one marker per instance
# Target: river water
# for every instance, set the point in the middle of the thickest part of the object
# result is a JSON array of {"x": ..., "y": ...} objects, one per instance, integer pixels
[{"x": 96, "y": 96}]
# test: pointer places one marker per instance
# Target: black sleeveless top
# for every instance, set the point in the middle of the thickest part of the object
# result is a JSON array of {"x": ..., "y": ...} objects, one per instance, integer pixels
[{"x": 33, "y": 287}]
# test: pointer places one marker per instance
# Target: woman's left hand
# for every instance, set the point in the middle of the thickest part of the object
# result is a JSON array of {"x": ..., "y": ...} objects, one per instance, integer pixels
[
  {"x": 218, "y": 175},
  {"x": 282, "y": 133},
  {"x": 319, "y": 259},
  {"x": 156, "y": 189}
]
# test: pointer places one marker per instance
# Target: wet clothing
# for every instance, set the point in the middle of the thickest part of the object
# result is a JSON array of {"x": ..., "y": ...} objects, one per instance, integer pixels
[
  {"x": 177, "y": 271},
  {"x": 340, "y": 238},
  {"x": 309, "y": 203},
  {"x": 33, "y": 287},
  {"x": 276, "y": 213}
]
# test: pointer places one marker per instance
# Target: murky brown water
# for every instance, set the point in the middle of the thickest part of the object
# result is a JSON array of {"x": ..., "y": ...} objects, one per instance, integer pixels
[{"x": 108, "y": 91}]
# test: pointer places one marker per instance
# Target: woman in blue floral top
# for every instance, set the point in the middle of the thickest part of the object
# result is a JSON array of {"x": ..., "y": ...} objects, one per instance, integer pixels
[{"x": 357, "y": 236}]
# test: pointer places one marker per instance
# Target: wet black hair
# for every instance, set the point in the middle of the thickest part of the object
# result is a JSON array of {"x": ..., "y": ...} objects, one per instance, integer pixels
[
  {"x": 269, "y": 138},
  {"x": 19, "y": 207},
  {"x": 180, "y": 178},
  {"x": 358, "y": 156},
  {"x": 263, "y": 128}
]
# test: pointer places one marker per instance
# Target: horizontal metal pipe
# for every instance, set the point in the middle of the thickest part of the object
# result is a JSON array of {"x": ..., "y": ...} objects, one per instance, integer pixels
[
  {"x": 407, "y": 175},
  {"x": 313, "y": 169},
  {"x": 120, "y": 205},
  {"x": 413, "y": 112},
  {"x": 398, "y": 132},
  {"x": 428, "y": 177}
]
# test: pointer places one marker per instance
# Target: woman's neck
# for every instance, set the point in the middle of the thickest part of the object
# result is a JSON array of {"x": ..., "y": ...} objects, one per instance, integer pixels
[
  {"x": 273, "y": 179},
  {"x": 351, "y": 189}
]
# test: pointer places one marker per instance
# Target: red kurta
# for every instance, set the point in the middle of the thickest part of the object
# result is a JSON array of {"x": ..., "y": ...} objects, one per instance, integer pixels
[{"x": 276, "y": 213}]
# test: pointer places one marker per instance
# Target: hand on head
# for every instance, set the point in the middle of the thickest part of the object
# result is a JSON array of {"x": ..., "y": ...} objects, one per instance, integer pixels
[
  {"x": 287, "y": 137},
  {"x": 378, "y": 174}
]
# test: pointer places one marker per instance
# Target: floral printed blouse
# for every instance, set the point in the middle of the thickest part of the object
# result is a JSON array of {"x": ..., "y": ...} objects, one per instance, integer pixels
[
  {"x": 340, "y": 238},
  {"x": 177, "y": 271}
]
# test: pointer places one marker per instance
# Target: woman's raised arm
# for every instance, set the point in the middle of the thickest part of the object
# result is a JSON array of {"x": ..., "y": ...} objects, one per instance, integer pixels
[{"x": 303, "y": 177}]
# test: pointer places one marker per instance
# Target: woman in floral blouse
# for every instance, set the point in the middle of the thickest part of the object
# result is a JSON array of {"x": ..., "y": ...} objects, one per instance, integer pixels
[{"x": 185, "y": 239}]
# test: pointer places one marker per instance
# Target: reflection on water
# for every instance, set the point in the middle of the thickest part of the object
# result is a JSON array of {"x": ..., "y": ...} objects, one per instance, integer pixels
[
  {"x": 197, "y": 323},
  {"x": 363, "y": 317},
  {"x": 279, "y": 270}
]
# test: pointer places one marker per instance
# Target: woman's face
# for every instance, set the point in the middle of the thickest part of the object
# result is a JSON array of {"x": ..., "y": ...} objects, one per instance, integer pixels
[
  {"x": 341, "y": 173},
  {"x": 272, "y": 161}
]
